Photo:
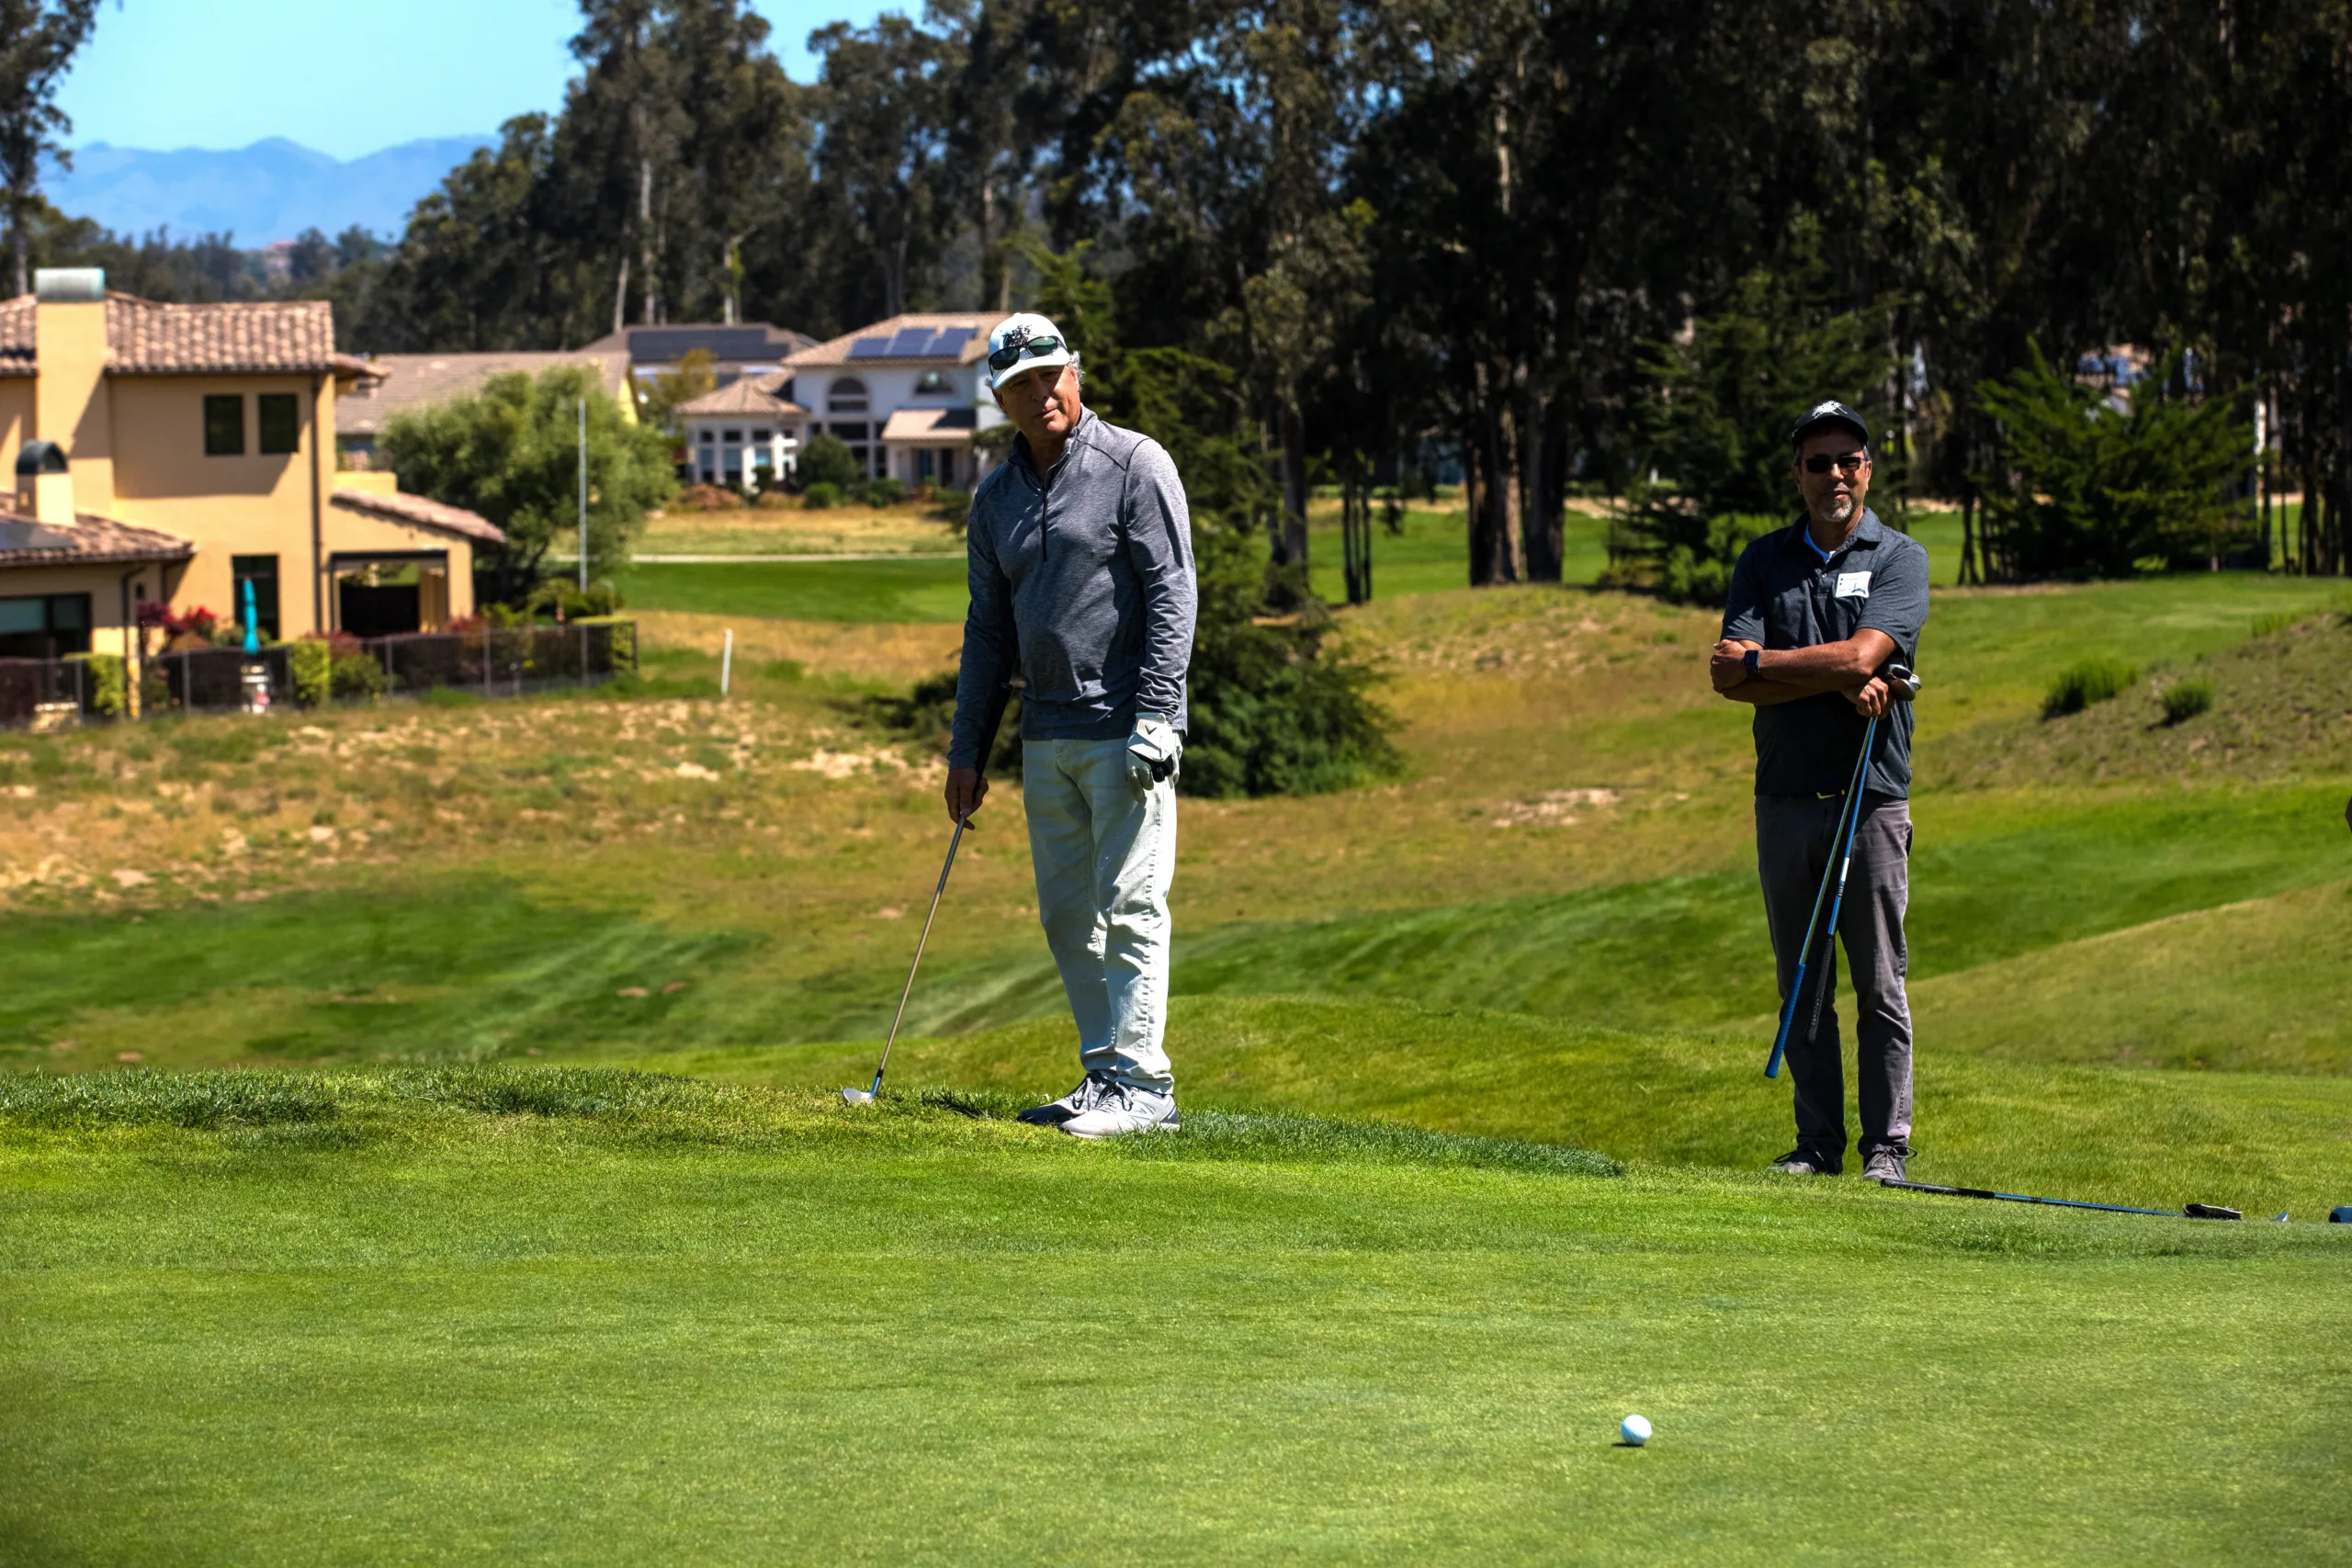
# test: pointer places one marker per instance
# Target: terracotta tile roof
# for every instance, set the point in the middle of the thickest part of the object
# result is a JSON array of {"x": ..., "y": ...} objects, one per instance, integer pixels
[
  {"x": 884, "y": 337},
  {"x": 145, "y": 338},
  {"x": 424, "y": 513},
  {"x": 406, "y": 381},
  {"x": 27, "y": 541},
  {"x": 751, "y": 395}
]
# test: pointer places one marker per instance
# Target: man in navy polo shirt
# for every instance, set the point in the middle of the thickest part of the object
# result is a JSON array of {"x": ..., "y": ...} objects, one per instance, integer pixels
[{"x": 1817, "y": 611}]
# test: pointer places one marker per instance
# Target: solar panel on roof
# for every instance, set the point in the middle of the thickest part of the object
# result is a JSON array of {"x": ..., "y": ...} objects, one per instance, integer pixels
[
  {"x": 911, "y": 342},
  {"x": 951, "y": 341},
  {"x": 870, "y": 348}
]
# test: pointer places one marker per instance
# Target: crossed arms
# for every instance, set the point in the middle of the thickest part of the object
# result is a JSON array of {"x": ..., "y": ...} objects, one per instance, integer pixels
[{"x": 1787, "y": 674}]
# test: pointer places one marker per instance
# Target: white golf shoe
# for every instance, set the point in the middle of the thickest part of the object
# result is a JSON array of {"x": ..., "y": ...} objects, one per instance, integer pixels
[
  {"x": 1120, "y": 1109},
  {"x": 1077, "y": 1102}
]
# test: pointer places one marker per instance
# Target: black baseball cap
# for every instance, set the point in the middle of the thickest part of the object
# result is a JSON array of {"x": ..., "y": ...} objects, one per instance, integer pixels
[{"x": 1830, "y": 413}]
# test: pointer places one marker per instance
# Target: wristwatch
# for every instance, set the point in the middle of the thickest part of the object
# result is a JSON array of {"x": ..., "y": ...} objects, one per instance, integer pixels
[{"x": 1754, "y": 660}]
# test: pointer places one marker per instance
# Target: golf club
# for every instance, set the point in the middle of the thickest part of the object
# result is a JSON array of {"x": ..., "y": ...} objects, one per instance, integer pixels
[
  {"x": 866, "y": 1096},
  {"x": 1902, "y": 685},
  {"x": 2193, "y": 1211}
]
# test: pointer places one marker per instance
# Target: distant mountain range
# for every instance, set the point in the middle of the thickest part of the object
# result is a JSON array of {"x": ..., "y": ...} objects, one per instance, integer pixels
[{"x": 271, "y": 190}]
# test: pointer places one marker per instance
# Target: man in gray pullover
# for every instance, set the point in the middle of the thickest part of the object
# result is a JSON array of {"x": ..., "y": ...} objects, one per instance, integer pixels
[{"x": 1081, "y": 553}]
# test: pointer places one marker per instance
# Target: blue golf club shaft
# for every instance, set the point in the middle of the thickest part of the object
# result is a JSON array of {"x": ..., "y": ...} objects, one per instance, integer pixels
[{"x": 1849, "y": 815}]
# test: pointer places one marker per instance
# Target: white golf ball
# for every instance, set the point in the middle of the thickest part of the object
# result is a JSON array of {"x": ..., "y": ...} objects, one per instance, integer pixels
[{"x": 1636, "y": 1430}]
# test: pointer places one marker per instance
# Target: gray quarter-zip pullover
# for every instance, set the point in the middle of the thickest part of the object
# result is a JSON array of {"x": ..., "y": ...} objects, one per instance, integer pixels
[{"x": 1081, "y": 581}]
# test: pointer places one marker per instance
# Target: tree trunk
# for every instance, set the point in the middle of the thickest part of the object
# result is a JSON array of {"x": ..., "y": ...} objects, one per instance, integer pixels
[
  {"x": 1474, "y": 511},
  {"x": 17, "y": 241},
  {"x": 1969, "y": 572},
  {"x": 1507, "y": 489},
  {"x": 1290, "y": 548},
  {"x": 620, "y": 296},
  {"x": 645, "y": 237},
  {"x": 1547, "y": 492}
]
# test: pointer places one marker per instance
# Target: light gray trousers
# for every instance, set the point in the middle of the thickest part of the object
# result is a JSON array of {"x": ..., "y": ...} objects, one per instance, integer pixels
[
  {"x": 1104, "y": 850},
  {"x": 1794, "y": 841}
]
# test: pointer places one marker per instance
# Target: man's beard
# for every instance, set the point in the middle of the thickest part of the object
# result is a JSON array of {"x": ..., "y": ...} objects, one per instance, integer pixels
[{"x": 1839, "y": 508}]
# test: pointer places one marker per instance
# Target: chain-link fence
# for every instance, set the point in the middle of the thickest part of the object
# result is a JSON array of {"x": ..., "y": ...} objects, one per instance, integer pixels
[{"x": 493, "y": 661}]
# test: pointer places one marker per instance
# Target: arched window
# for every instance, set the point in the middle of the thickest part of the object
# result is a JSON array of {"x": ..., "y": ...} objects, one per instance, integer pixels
[{"x": 846, "y": 396}]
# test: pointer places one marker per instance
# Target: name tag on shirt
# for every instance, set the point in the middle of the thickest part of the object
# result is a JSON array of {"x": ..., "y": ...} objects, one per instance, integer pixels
[{"x": 1853, "y": 585}]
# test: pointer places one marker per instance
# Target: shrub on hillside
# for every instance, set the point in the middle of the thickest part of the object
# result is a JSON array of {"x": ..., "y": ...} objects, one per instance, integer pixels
[
  {"x": 2184, "y": 700},
  {"x": 2085, "y": 683},
  {"x": 821, "y": 496},
  {"x": 882, "y": 492},
  {"x": 706, "y": 498},
  {"x": 827, "y": 460},
  {"x": 2084, "y": 489},
  {"x": 771, "y": 500}
]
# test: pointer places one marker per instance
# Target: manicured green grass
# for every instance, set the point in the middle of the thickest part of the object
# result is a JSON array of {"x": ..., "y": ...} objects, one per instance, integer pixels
[
  {"x": 805, "y": 590},
  {"x": 644, "y": 1325},
  {"x": 1675, "y": 1100},
  {"x": 567, "y": 1313}
]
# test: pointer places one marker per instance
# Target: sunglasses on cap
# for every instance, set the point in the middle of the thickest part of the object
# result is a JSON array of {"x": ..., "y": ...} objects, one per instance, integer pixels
[
  {"x": 1822, "y": 462},
  {"x": 1012, "y": 354}
]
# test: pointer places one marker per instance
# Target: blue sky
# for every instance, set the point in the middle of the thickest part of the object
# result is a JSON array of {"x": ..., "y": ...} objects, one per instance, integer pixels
[{"x": 345, "y": 76}]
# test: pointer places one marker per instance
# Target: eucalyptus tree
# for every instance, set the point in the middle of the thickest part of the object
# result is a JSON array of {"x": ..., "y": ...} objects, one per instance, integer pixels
[{"x": 38, "y": 41}]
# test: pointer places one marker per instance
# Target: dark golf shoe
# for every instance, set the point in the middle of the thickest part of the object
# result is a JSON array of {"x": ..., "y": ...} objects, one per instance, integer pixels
[
  {"x": 1077, "y": 1102},
  {"x": 1883, "y": 1162},
  {"x": 1801, "y": 1161}
]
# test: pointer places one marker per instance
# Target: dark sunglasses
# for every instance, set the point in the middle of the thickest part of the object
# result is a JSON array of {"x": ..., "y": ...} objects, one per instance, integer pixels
[
  {"x": 1822, "y": 462},
  {"x": 1012, "y": 354}
]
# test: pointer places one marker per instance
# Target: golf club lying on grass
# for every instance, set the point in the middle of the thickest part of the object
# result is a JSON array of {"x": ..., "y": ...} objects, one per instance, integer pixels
[
  {"x": 865, "y": 1096},
  {"x": 1902, "y": 685},
  {"x": 2193, "y": 1211}
]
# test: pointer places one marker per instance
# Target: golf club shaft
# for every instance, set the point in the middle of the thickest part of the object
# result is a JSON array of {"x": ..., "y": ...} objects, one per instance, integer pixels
[
  {"x": 2021, "y": 1198},
  {"x": 899, "y": 1017},
  {"x": 1837, "y": 904},
  {"x": 1813, "y": 924}
]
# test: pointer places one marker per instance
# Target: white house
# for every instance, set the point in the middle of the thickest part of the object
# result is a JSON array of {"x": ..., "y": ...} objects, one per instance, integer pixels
[
  {"x": 742, "y": 432},
  {"x": 907, "y": 395}
]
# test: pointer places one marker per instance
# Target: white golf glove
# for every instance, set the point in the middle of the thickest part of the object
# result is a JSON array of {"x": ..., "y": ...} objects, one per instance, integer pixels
[{"x": 1153, "y": 750}]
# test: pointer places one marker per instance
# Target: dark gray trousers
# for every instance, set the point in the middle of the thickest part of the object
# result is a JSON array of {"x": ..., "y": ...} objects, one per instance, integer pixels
[{"x": 1795, "y": 838}]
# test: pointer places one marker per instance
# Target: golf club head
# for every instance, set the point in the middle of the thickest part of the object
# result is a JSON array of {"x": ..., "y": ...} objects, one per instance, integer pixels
[
  {"x": 857, "y": 1097},
  {"x": 1902, "y": 682}
]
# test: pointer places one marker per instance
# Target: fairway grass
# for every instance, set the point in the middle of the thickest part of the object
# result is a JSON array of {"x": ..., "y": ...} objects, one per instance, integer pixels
[{"x": 724, "y": 1329}]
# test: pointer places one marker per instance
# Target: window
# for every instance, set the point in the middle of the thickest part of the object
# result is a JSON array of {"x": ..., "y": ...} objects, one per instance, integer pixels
[
  {"x": 846, "y": 396},
  {"x": 761, "y": 434},
  {"x": 224, "y": 427},
  {"x": 261, "y": 572},
  {"x": 930, "y": 382},
  {"x": 45, "y": 625},
  {"x": 948, "y": 466},
  {"x": 281, "y": 423},
  {"x": 734, "y": 438},
  {"x": 708, "y": 435},
  {"x": 849, "y": 432}
]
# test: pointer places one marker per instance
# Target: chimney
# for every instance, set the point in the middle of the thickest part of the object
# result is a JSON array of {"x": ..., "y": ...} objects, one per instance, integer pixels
[
  {"x": 44, "y": 484},
  {"x": 70, "y": 404}
]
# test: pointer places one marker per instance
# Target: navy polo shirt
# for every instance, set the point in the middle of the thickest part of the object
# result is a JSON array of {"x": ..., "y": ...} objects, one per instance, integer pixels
[{"x": 1784, "y": 595}]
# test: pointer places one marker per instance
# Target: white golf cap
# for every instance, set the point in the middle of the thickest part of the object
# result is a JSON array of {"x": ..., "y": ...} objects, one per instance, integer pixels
[{"x": 1019, "y": 345}]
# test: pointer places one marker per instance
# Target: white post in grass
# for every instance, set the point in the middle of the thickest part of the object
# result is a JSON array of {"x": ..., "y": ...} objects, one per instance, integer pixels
[
  {"x": 583, "y": 495},
  {"x": 725, "y": 660}
]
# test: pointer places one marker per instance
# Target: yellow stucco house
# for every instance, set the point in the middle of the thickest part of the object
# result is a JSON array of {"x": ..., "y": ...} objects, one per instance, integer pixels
[{"x": 177, "y": 452}]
